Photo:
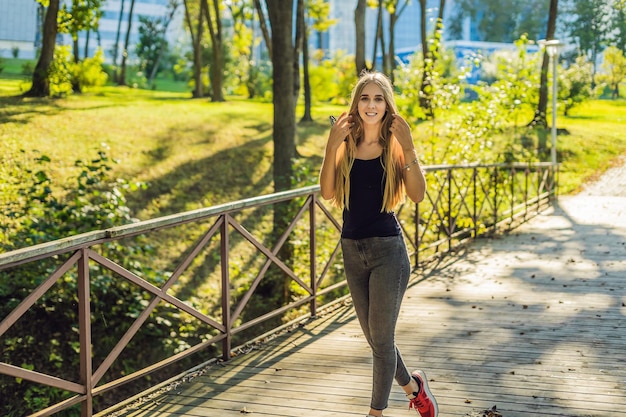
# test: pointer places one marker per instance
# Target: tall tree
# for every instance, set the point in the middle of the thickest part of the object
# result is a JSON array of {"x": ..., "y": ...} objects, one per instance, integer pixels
[
  {"x": 172, "y": 7},
  {"x": 41, "y": 82},
  {"x": 359, "y": 24},
  {"x": 542, "y": 106},
  {"x": 614, "y": 66},
  {"x": 122, "y": 77},
  {"x": 281, "y": 20},
  {"x": 196, "y": 42},
  {"x": 379, "y": 38},
  {"x": 217, "y": 40},
  {"x": 318, "y": 12},
  {"x": 299, "y": 34},
  {"x": 499, "y": 20},
  {"x": 263, "y": 24},
  {"x": 429, "y": 55},
  {"x": 116, "y": 46},
  {"x": 619, "y": 24},
  {"x": 590, "y": 27},
  {"x": 79, "y": 16},
  {"x": 395, "y": 10}
]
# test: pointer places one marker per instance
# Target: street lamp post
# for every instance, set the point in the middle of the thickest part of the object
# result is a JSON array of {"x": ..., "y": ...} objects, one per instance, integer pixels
[{"x": 552, "y": 48}]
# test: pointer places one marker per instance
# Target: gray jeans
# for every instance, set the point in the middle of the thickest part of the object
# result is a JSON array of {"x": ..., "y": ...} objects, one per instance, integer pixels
[{"x": 377, "y": 270}]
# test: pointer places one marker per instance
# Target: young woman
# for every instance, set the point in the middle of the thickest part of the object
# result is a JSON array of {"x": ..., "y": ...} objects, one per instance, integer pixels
[{"x": 369, "y": 164}]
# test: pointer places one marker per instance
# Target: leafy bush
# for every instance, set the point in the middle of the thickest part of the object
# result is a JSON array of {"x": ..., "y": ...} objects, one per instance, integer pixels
[
  {"x": 27, "y": 68},
  {"x": 96, "y": 201},
  {"x": 574, "y": 84},
  {"x": 89, "y": 72},
  {"x": 65, "y": 73},
  {"x": 60, "y": 72}
]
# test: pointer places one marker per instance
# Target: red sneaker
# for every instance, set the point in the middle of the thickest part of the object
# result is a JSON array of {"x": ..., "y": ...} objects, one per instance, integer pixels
[{"x": 423, "y": 401}]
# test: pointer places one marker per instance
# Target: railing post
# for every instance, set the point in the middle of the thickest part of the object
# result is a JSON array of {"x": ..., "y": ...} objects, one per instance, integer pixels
[
  {"x": 449, "y": 216},
  {"x": 512, "y": 193},
  {"x": 539, "y": 181},
  {"x": 495, "y": 197},
  {"x": 474, "y": 208},
  {"x": 224, "y": 252},
  {"x": 417, "y": 235},
  {"x": 312, "y": 254},
  {"x": 84, "y": 331}
]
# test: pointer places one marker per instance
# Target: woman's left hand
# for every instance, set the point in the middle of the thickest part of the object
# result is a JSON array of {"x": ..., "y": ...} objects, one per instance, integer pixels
[{"x": 402, "y": 131}]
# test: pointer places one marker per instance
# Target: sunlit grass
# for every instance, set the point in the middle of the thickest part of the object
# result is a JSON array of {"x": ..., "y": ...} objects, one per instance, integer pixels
[
  {"x": 193, "y": 153},
  {"x": 594, "y": 141}
]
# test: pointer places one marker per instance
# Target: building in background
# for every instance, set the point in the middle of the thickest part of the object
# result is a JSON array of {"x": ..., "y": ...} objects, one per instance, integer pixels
[
  {"x": 342, "y": 36},
  {"x": 20, "y": 28},
  {"x": 110, "y": 21},
  {"x": 21, "y": 22}
]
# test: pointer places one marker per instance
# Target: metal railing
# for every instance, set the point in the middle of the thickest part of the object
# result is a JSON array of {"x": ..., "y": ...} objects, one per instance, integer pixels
[{"x": 462, "y": 202}]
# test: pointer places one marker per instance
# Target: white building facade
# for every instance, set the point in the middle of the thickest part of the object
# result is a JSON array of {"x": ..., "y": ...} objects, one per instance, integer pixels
[{"x": 21, "y": 24}]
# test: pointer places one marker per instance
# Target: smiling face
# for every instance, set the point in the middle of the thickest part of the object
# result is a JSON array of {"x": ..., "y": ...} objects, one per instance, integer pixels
[{"x": 372, "y": 104}]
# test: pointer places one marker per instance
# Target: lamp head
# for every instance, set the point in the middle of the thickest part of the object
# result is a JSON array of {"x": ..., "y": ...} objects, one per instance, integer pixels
[{"x": 553, "y": 46}]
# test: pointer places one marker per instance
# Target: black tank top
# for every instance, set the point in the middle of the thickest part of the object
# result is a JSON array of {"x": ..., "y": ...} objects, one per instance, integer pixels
[{"x": 364, "y": 219}]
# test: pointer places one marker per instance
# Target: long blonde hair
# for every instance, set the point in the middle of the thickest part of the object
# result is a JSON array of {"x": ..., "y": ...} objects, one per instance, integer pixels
[{"x": 392, "y": 157}]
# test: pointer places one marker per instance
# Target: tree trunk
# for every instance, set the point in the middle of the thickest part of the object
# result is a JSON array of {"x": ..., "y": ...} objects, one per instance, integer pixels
[
  {"x": 122, "y": 78},
  {"x": 424, "y": 96},
  {"x": 86, "y": 50},
  {"x": 391, "y": 54},
  {"x": 379, "y": 37},
  {"x": 280, "y": 14},
  {"x": 41, "y": 81},
  {"x": 296, "y": 50},
  {"x": 281, "y": 18},
  {"x": 359, "y": 23},
  {"x": 198, "y": 91},
  {"x": 217, "y": 69},
  {"x": 174, "y": 6},
  {"x": 305, "y": 75},
  {"x": 539, "y": 118},
  {"x": 117, "y": 41},
  {"x": 263, "y": 25}
]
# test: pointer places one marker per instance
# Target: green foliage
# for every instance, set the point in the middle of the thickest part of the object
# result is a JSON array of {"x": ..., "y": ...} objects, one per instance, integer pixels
[
  {"x": 89, "y": 72},
  {"x": 501, "y": 20},
  {"x": 574, "y": 84},
  {"x": 96, "y": 201},
  {"x": 259, "y": 81},
  {"x": 60, "y": 73},
  {"x": 64, "y": 71},
  {"x": 590, "y": 25},
  {"x": 614, "y": 67},
  {"x": 461, "y": 133},
  {"x": 331, "y": 79},
  {"x": 27, "y": 68},
  {"x": 82, "y": 15},
  {"x": 1, "y": 64},
  {"x": 516, "y": 81},
  {"x": 151, "y": 37}
]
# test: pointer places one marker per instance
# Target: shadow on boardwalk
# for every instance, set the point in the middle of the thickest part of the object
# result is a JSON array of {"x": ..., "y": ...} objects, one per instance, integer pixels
[{"x": 531, "y": 323}]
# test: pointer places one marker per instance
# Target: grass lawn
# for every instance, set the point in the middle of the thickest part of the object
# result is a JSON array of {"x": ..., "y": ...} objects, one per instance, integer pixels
[{"x": 195, "y": 153}]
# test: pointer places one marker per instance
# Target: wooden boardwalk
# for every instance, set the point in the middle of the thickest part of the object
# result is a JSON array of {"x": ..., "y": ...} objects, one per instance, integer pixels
[{"x": 532, "y": 323}]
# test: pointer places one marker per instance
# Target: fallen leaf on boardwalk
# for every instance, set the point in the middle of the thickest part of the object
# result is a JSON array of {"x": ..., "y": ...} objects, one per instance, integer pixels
[
  {"x": 468, "y": 401},
  {"x": 245, "y": 411},
  {"x": 486, "y": 413}
]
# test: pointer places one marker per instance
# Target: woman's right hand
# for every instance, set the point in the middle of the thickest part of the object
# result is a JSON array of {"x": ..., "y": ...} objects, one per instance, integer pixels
[{"x": 339, "y": 131}]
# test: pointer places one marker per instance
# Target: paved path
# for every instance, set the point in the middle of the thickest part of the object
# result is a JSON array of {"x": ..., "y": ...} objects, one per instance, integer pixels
[{"x": 532, "y": 323}]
